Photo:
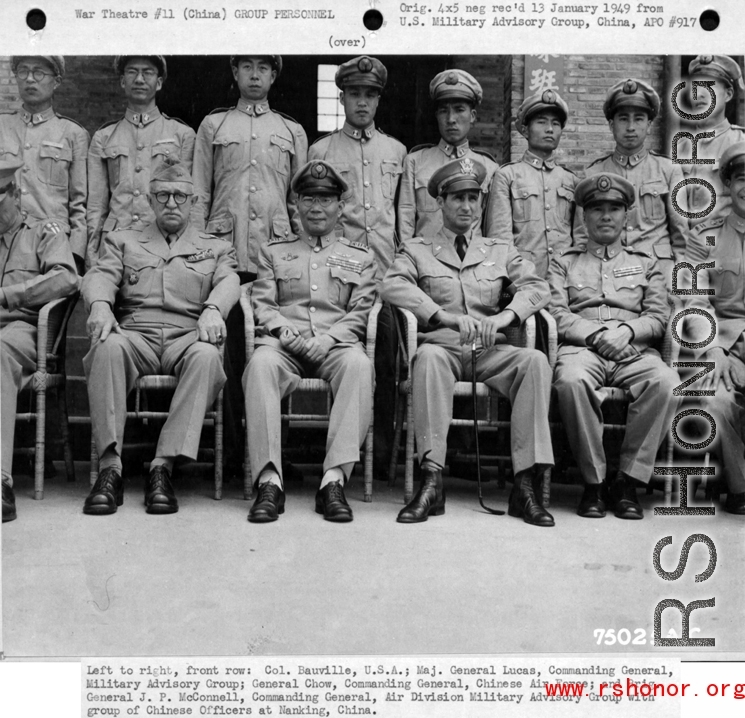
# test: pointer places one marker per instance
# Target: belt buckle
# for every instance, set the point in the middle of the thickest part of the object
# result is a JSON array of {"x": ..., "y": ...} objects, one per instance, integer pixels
[{"x": 600, "y": 313}]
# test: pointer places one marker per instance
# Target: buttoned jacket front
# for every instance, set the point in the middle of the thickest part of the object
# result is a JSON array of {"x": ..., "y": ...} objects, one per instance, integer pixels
[
  {"x": 244, "y": 161},
  {"x": 53, "y": 177}
]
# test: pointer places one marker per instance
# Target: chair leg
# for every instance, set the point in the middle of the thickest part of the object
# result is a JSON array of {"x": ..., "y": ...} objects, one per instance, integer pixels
[
  {"x": 369, "y": 463},
  {"x": 94, "y": 462},
  {"x": 218, "y": 446},
  {"x": 409, "y": 470},
  {"x": 66, "y": 446},
  {"x": 41, "y": 415},
  {"x": 247, "y": 480},
  {"x": 400, "y": 406}
]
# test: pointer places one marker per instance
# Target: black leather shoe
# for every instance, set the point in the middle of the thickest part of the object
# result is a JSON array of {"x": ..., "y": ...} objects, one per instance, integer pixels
[
  {"x": 269, "y": 504},
  {"x": 523, "y": 503},
  {"x": 592, "y": 503},
  {"x": 159, "y": 495},
  {"x": 107, "y": 493},
  {"x": 331, "y": 502},
  {"x": 735, "y": 504},
  {"x": 428, "y": 501},
  {"x": 623, "y": 498},
  {"x": 9, "y": 503}
]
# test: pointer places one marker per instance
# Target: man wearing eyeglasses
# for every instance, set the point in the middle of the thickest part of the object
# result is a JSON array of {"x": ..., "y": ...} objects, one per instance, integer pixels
[
  {"x": 125, "y": 152},
  {"x": 157, "y": 298},
  {"x": 52, "y": 150},
  {"x": 311, "y": 303}
]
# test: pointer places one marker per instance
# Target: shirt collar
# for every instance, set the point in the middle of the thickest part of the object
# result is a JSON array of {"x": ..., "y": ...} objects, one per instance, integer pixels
[
  {"x": 253, "y": 108},
  {"x": 737, "y": 223},
  {"x": 630, "y": 160},
  {"x": 142, "y": 118},
  {"x": 36, "y": 118},
  {"x": 535, "y": 161},
  {"x": 453, "y": 150},
  {"x": 452, "y": 235},
  {"x": 356, "y": 134},
  {"x": 604, "y": 250}
]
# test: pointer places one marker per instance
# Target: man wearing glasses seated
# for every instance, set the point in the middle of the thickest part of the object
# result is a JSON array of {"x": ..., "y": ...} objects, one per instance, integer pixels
[
  {"x": 311, "y": 303},
  {"x": 157, "y": 298}
]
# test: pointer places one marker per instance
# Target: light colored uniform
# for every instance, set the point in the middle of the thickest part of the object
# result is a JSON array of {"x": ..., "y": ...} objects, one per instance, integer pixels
[
  {"x": 426, "y": 276},
  {"x": 595, "y": 287},
  {"x": 727, "y": 306},
  {"x": 531, "y": 203},
  {"x": 52, "y": 180},
  {"x": 326, "y": 290},
  {"x": 418, "y": 213},
  {"x": 158, "y": 293},
  {"x": 36, "y": 266},
  {"x": 244, "y": 160}
]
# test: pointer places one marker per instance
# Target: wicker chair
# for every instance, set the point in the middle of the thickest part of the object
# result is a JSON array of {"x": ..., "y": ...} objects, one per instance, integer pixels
[
  {"x": 167, "y": 382},
  {"x": 50, "y": 374},
  {"x": 524, "y": 336},
  {"x": 311, "y": 385}
]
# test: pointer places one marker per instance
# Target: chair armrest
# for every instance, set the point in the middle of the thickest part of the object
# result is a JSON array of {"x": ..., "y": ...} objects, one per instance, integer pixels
[
  {"x": 51, "y": 327},
  {"x": 249, "y": 328},
  {"x": 409, "y": 336},
  {"x": 372, "y": 328},
  {"x": 552, "y": 336}
]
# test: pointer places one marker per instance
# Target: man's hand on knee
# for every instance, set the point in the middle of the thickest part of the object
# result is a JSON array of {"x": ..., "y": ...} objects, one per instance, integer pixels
[
  {"x": 211, "y": 327},
  {"x": 492, "y": 326},
  {"x": 101, "y": 322},
  {"x": 317, "y": 348},
  {"x": 291, "y": 341}
]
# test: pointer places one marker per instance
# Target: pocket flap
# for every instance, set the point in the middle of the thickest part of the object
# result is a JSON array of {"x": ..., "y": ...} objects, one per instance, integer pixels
[
  {"x": 655, "y": 189},
  {"x": 219, "y": 225},
  {"x": 565, "y": 192},
  {"x": 56, "y": 152},
  {"x": 287, "y": 273},
  {"x": 523, "y": 192},
  {"x": 727, "y": 265},
  {"x": 344, "y": 275},
  {"x": 163, "y": 149},
  {"x": 116, "y": 151},
  {"x": 284, "y": 143},
  {"x": 663, "y": 251}
]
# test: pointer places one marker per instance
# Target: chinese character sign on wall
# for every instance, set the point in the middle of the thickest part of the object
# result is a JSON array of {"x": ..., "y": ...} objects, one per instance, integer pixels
[{"x": 544, "y": 72}]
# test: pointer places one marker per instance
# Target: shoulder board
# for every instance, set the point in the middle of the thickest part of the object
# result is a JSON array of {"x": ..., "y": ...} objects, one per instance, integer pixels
[
  {"x": 511, "y": 162},
  {"x": 390, "y": 137},
  {"x": 221, "y": 109},
  {"x": 8, "y": 112},
  {"x": 659, "y": 154},
  {"x": 109, "y": 123},
  {"x": 600, "y": 159},
  {"x": 356, "y": 245},
  {"x": 324, "y": 137},
  {"x": 709, "y": 224},
  {"x": 577, "y": 249},
  {"x": 175, "y": 119},
  {"x": 485, "y": 153},
  {"x": 636, "y": 250},
  {"x": 281, "y": 239},
  {"x": 287, "y": 117},
  {"x": 207, "y": 235},
  {"x": 418, "y": 240},
  {"x": 136, "y": 227},
  {"x": 69, "y": 119},
  {"x": 425, "y": 146},
  {"x": 567, "y": 169}
]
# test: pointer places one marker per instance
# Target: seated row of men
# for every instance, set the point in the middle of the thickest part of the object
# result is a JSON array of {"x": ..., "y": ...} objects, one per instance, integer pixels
[{"x": 159, "y": 297}]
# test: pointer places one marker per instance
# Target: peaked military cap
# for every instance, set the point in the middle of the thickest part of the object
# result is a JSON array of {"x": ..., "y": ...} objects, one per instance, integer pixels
[
  {"x": 120, "y": 62},
  {"x": 362, "y": 71},
  {"x": 457, "y": 176},
  {"x": 318, "y": 177},
  {"x": 599, "y": 188},
  {"x": 171, "y": 170},
  {"x": 8, "y": 169},
  {"x": 721, "y": 67},
  {"x": 455, "y": 85},
  {"x": 274, "y": 60},
  {"x": 546, "y": 100},
  {"x": 732, "y": 157},
  {"x": 57, "y": 62},
  {"x": 631, "y": 93}
]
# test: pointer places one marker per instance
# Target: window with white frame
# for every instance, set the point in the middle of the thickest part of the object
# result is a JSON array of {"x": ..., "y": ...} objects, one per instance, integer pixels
[{"x": 330, "y": 112}]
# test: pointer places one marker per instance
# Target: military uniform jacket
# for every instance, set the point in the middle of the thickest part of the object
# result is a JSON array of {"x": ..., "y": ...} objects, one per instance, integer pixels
[
  {"x": 532, "y": 203},
  {"x": 418, "y": 213},
  {"x": 698, "y": 197},
  {"x": 371, "y": 163},
  {"x": 653, "y": 224},
  {"x": 53, "y": 177},
  {"x": 726, "y": 277},
  {"x": 244, "y": 161},
  {"x": 318, "y": 290},
  {"x": 427, "y": 275},
  {"x": 147, "y": 281},
  {"x": 122, "y": 157},
  {"x": 36, "y": 266},
  {"x": 595, "y": 286}
]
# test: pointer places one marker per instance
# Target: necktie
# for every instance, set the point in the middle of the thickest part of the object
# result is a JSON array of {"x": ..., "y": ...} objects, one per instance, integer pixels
[
  {"x": 171, "y": 239},
  {"x": 319, "y": 242},
  {"x": 460, "y": 246}
]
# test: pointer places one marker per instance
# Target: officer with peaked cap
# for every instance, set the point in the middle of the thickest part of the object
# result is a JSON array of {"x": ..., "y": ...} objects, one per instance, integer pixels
[
  {"x": 371, "y": 163},
  {"x": 158, "y": 298},
  {"x": 725, "y": 277},
  {"x": 653, "y": 224},
  {"x": 456, "y": 94},
  {"x": 532, "y": 200},
  {"x": 52, "y": 149},
  {"x": 36, "y": 266},
  {"x": 311, "y": 303},
  {"x": 452, "y": 281},
  {"x": 725, "y": 73},
  {"x": 125, "y": 152},
  {"x": 610, "y": 306}
]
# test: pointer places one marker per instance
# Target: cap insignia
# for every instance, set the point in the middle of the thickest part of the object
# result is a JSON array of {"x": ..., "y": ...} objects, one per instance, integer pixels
[
  {"x": 705, "y": 59},
  {"x": 549, "y": 97},
  {"x": 603, "y": 183},
  {"x": 451, "y": 79},
  {"x": 466, "y": 167},
  {"x": 630, "y": 87},
  {"x": 364, "y": 65},
  {"x": 319, "y": 171}
]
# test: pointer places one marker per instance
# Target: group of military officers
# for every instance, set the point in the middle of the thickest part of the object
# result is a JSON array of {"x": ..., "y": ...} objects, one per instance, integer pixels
[{"x": 165, "y": 225}]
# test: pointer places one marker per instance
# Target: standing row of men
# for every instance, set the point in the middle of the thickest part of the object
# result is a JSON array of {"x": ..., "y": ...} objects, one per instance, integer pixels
[{"x": 243, "y": 161}]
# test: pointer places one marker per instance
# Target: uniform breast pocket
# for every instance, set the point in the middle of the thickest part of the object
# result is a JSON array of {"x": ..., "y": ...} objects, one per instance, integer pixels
[
  {"x": 282, "y": 149},
  {"x": 139, "y": 273},
  {"x": 197, "y": 280},
  {"x": 117, "y": 160},
  {"x": 490, "y": 281},
  {"x": 726, "y": 276},
  {"x": 630, "y": 284},
  {"x": 580, "y": 289},
  {"x": 21, "y": 266},
  {"x": 526, "y": 203},
  {"x": 54, "y": 163},
  {"x": 342, "y": 283},
  {"x": 221, "y": 227},
  {"x": 564, "y": 199},
  {"x": 424, "y": 202},
  {"x": 289, "y": 280},
  {"x": 438, "y": 286},
  {"x": 391, "y": 174},
  {"x": 9, "y": 150},
  {"x": 160, "y": 151},
  {"x": 652, "y": 200},
  {"x": 228, "y": 153}
]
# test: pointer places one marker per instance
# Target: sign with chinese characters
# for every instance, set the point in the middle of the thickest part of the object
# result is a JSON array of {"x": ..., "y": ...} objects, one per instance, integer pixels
[{"x": 544, "y": 72}]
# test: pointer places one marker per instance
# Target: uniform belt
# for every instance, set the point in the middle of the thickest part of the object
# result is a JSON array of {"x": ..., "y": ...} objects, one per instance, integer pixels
[
  {"x": 157, "y": 316},
  {"x": 605, "y": 313}
]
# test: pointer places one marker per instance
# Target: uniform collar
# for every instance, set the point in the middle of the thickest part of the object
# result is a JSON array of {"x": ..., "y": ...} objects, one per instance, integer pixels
[
  {"x": 604, "y": 250},
  {"x": 326, "y": 240},
  {"x": 535, "y": 161},
  {"x": 253, "y": 108},
  {"x": 736, "y": 223},
  {"x": 452, "y": 235},
  {"x": 36, "y": 118},
  {"x": 453, "y": 150},
  {"x": 630, "y": 160},
  {"x": 356, "y": 134},
  {"x": 142, "y": 118}
]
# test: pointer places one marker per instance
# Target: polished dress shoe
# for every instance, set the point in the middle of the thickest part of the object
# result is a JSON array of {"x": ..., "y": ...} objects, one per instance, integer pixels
[
  {"x": 592, "y": 503},
  {"x": 269, "y": 504},
  {"x": 331, "y": 502},
  {"x": 159, "y": 495},
  {"x": 107, "y": 493},
  {"x": 623, "y": 498},
  {"x": 9, "y": 503},
  {"x": 735, "y": 503},
  {"x": 523, "y": 503},
  {"x": 428, "y": 501}
]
